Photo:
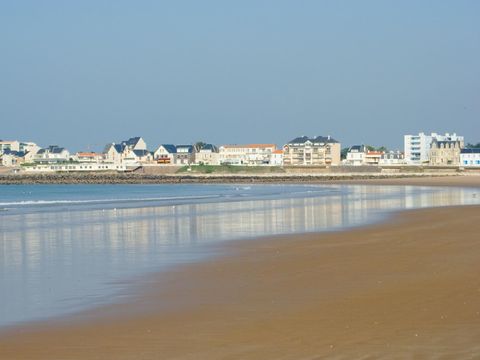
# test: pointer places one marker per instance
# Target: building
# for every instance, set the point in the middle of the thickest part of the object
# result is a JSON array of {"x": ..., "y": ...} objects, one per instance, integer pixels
[
  {"x": 248, "y": 154},
  {"x": 373, "y": 157},
  {"x": 356, "y": 155},
  {"x": 11, "y": 158},
  {"x": 277, "y": 158},
  {"x": 137, "y": 157},
  {"x": 417, "y": 147},
  {"x": 184, "y": 155},
  {"x": 392, "y": 158},
  {"x": 470, "y": 157},
  {"x": 318, "y": 151},
  {"x": 88, "y": 157},
  {"x": 117, "y": 153},
  {"x": 74, "y": 167},
  {"x": 13, "y": 145},
  {"x": 446, "y": 152},
  {"x": 165, "y": 154},
  {"x": 206, "y": 154},
  {"x": 52, "y": 154}
]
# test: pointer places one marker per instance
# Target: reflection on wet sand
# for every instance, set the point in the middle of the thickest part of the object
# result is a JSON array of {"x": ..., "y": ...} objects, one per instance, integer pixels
[{"x": 56, "y": 262}]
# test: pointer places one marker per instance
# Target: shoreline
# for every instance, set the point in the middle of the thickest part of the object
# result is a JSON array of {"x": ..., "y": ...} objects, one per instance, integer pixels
[{"x": 236, "y": 305}]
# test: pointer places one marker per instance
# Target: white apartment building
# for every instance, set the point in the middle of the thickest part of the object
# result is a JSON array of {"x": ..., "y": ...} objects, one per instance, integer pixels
[
  {"x": 417, "y": 147},
  {"x": 316, "y": 151},
  {"x": 250, "y": 154}
]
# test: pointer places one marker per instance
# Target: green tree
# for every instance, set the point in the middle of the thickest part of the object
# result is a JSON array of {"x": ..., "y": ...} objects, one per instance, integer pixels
[{"x": 473, "y": 146}]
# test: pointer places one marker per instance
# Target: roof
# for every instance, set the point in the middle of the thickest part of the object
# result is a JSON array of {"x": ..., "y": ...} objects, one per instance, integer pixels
[
  {"x": 141, "y": 153},
  {"x": 170, "y": 148},
  {"x": 470, "y": 151},
  {"x": 132, "y": 141},
  {"x": 277, "y": 152},
  {"x": 360, "y": 148},
  {"x": 14, "y": 153},
  {"x": 445, "y": 142},
  {"x": 209, "y": 147},
  {"x": 316, "y": 139},
  {"x": 54, "y": 149}
]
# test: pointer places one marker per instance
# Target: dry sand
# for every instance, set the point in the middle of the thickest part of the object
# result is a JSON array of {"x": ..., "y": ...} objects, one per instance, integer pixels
[{"x": 409, "y": 288}]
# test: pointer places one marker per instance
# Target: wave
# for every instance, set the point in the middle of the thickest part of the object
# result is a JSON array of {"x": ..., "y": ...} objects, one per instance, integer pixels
[{"x": 101, "y": 201}]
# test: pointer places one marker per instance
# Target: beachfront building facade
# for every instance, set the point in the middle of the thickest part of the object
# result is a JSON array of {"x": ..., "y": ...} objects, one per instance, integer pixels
[
  {"x": 165, "y": 154},
  {"x": 316, "y": 151},
  {"x": 137, "y": 157},
  {"x": 443, "y": 153},
  {"x": 52, "y": 154},
  {"x": 392, "y": 158},
  {"x": 248, "y": 154},
  {"x": 373, "y": 157},
  {"x": 184, "y": 155},
  {"x": 356, "y": 155},
  {"x": 206, "y": 154},
  {"x": 277, "y": 158},
  {"x": 417, "y": 147},
  {"x": 117, "y": 153},
  {"x": 74, "y": 167},
  {"x": 10, "y": 158},
  {"x": 470, "y": 157}
]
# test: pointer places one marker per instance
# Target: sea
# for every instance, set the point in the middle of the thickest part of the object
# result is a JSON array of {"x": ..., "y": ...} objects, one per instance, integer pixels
[{"x": 67, "y": 248}]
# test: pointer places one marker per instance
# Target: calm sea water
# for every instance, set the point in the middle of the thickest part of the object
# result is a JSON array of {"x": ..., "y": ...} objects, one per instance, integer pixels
[{"x": 64, "y": 248}]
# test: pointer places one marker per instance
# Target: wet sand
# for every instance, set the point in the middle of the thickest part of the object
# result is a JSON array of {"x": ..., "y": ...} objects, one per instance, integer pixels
[{"x": 408, "y": 288}]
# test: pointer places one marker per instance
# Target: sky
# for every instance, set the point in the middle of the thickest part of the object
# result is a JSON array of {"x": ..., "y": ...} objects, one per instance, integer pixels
[{"x": 82, "y": 74}]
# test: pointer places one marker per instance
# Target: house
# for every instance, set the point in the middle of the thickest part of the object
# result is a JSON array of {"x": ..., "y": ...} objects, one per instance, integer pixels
[
  {"x": 116, "y": 153},
  {"x": 184, "y": 154},
  {"x": 445, "y": 152},
  {"x": 392, "y": 158},
  {"x": 249, "y": 154},
  {"x": 52, "y": 154},
  {"x": 11, "y": 158},
  {"x": 137, "y": 157},
  {"x": 470, "y": 157},
  {"x": 373, "y": 157},
  {"x": 417, "y": 147},
  {"x": 165, "y": 154},
  {"x": 356, "y": 155},
  {"x": 318, "y": 151},
  {"x": 206, "y": 154}
]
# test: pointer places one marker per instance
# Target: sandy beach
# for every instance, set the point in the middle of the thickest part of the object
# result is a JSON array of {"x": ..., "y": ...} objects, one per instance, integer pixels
[{"x": 407, "y": 288}]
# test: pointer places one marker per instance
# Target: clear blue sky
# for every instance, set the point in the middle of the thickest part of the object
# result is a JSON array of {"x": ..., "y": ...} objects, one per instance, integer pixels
[{"x": 75, "y": 73}]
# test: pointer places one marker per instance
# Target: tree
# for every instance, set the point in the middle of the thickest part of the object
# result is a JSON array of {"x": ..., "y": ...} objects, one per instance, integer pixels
[
  {"x": 198, "y": 145},
  {"x": 373, "y": 148},
  {"x": 473, "y": 146},
  {"x": 343, "y": 153}
]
